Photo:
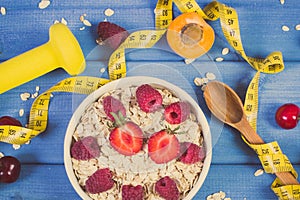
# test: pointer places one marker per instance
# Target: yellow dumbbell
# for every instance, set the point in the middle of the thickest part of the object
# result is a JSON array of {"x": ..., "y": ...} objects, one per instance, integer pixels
[{"x": 61, "y": 51}]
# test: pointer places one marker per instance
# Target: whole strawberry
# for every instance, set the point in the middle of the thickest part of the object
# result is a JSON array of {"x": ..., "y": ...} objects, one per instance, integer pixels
[
  {"x": 148, "y": 98},
  {"x": 111, "y": 34}
]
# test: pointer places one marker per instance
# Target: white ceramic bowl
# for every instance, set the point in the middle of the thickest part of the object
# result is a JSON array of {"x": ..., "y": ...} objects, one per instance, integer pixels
[{"x": 125, "y": 83}]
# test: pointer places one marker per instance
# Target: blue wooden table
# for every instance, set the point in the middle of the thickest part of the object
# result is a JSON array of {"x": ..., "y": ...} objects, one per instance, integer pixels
[{"x": 43, "y": 176}]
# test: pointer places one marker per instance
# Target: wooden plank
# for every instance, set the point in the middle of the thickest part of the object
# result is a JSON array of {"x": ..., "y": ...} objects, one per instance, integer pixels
[
  {"x": 51, "y": 182},
  {"x": 260, "y": 27},
  {"x": 228, "y": 146}
]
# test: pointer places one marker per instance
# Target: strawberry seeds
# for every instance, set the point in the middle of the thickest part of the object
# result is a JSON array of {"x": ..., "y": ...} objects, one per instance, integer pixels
[{"x": 136, "y": 138}]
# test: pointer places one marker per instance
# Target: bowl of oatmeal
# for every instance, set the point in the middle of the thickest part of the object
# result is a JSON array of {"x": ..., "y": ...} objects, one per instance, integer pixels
[{"x": 137, "y": 138}]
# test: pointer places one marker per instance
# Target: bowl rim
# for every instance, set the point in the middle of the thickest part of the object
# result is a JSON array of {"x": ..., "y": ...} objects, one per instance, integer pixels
[{"x": 129, "y": 81}]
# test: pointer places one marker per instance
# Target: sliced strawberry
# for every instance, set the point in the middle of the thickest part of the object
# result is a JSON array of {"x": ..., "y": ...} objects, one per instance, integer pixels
[
  {"x": 127, "y": 139},
  {"x": 163, "y": 147}
]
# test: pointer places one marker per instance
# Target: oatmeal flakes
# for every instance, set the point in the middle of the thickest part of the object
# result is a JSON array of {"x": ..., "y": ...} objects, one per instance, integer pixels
[
  {"x": 285, "y": 28},
  {"x": 297, "y": 27},
  {"x": 16, "y": 146},
  {"x": 219, "y": 59},
  {"x": 109, "y": 12},
  {"x": 189, "y": 60},
  {"x": 25, "y": 96},
  {"x": 64, "y": 21},
  {"x": 1, "y": 154},
  {"x": 87, "y": 22},
  {"x": 21, "y": 112},
  {"x": 44, "y": 4},
  {"x": 3, "y": 11},
  {"x": 259, "y": 172},
  {"x": 225, "y": 51},
  {"x": 137, "y": 169}
]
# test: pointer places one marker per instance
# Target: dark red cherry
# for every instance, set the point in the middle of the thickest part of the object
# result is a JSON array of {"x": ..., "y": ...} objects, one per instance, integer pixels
[
  {"x": 7, "y": 120},
  {"x": 10, "y": 168},
  {"x": 287, "y": 116}
]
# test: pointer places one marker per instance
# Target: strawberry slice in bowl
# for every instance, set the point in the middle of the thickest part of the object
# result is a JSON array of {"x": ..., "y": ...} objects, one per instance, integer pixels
[
  {"x": 127, "y": 138},
  {"x": 145, "y": 128},
  {"x": 163, "y": 147}
]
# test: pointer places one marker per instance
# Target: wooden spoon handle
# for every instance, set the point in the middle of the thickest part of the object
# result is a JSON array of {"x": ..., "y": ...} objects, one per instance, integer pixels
[{"x": 287, "y": 178}]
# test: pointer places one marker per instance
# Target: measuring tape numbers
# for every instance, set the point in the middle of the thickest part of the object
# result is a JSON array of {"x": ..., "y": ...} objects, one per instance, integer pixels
[
  {"x": 273, "y": 161},
  {"x": 270, "y": 155},
  {"x": 38, "y": 118},
  {"x": 139, "y": 39}
]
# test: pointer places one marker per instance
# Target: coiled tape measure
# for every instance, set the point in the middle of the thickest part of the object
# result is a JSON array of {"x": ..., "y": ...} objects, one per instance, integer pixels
[{"x": 270, "y": 155}]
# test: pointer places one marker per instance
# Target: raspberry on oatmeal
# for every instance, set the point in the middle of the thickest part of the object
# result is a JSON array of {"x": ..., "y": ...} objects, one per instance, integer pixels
[{"x": 137, "y": 172}]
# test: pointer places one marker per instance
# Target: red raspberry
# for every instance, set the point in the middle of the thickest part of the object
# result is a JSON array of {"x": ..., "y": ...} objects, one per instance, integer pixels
[
  {"x": 167, "y": 188},
  {"x": 113, "y": 105},
  {"x": 100, "y": 181},
  {"x": 191, "y": 153},
  {"x": 130, "y": 192},
  {"x": 177, "y": 112},
  {"x": 85, "y": 149},
  {"x": 111, "y": 34},
  {"x": 148, "y": 98}
]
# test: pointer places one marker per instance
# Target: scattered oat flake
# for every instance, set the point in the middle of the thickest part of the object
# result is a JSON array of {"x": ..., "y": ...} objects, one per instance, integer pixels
[
  {"x": 34, "y": 95},
  {"x": 64, "y": 21},
  {"x": 82, "y": 28},
  {"x": 37, "y": 88},
  {"x": 109, "y": 12},
  {"x": 282, "y": 2},
  {"x": 297, "y": 27},
  {"x": 21, "y": 112},
  {"x": 3, "y": 10},
  {"x": 102, "y": 70},
  {"x": 211, "y": 76},
  {"x": 16, "y": 146},
  {"x": 219, "y": 59},
  {"x": 189, "y": 60},
  {"x": 225, "y": 51},
  {"x": 285, "y": 28},
  {"x": 81, "y": 18},
  {"x": 44, "y": 4},
  {"x": 1, "y": 155},
  {"x": 25, "y": 96},
  {"x": 218, "y": 196},
  {"x": 56, "y": 22},
  {"x": 87, "y": 22},
  {"x": 198, "y": 81},
  {"x": 259, "y": 172}
]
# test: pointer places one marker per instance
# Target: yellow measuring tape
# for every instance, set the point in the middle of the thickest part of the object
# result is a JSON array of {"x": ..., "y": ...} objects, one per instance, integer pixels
[
  {"x": 38, "y": 118},
  {"x": 272, "y": 162},
  {"x": 270, "y": 155}
]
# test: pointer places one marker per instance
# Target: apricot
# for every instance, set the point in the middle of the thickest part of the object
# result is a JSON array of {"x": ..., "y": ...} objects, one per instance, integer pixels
[{"x": 190, "y": 36}]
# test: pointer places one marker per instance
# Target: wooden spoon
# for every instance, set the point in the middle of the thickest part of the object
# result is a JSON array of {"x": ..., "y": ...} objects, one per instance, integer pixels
[{"x": 226, "y": 105}]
